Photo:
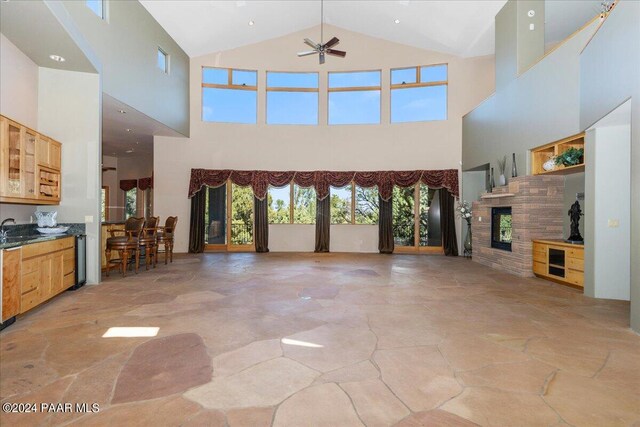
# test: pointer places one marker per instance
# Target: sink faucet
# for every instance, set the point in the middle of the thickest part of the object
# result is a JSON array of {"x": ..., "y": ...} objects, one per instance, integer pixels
[{"x": 3, "y": 232}]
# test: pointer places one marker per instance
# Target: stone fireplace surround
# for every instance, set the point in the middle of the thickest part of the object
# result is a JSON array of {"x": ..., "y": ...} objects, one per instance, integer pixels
[{"x": 537, "y": 213}]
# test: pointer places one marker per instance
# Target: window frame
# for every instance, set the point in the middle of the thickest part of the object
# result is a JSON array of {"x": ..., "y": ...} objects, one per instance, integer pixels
[
  {"x": 418, "y": 84},
  {"x": 416, "y": 248},
  {"x": 229, "y": 85},
  {"x": 290, "y": 89},
  {"x": 167, "y": 60},
  {"x": 103, "y": 15},
  {"x": 354, "y": 89}
]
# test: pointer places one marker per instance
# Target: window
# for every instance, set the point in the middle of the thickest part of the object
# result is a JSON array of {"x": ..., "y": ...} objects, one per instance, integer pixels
[
  {"x": 241, "y": 215},
  {"x": 215, "y": 217},
  {"x": 279, "y": 209},
  {"x": 419, "y": 94},
  {"x": 163, "y": 60},
  {"x": 97, "y": 7},
  {"x": 416, "y": 217},
  {"x": 104, "y": 204},
  {"x": 341, "y": 208},
  {"x": 229, "y": 95},
  {"x": 304, "y": 205},
  {"x": 292, "y": 98},
  {"x": 367, "y": 205},
  {"x": 354, "y": 98},
  {"x": 130, "y": 203}
]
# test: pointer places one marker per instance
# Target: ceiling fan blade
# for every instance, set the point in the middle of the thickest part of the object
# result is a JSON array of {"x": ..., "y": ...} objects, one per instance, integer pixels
[
  {"x": 334, "y": 41},
  {"x": 311, "y": 43},
  {"x": 335, "y": 52},
  {"x": 307, "y": 53},
  {"x": 321, "y": 57}
]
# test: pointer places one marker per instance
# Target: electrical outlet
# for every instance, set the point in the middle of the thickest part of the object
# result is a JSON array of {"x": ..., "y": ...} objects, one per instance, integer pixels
[
  {"x": 613, "y": 223},
  {"x": 479, "y": 219}
]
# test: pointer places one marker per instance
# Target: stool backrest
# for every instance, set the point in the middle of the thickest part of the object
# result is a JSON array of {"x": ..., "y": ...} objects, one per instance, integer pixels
[
  {"x": 133, "y": 226},
  {"x": 151, "y": 226},
  {"x": 170, "y": 224}
]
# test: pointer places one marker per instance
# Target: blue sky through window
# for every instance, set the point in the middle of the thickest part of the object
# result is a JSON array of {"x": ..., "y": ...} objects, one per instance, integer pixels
[
  {"x": 354, "y": 79},
  {"x": 298, "y": 80},
  {"x": 433, "y": 73},
  {"x": 403, "y": 75},
  {"x": 292, "y": 108},
  {"x": 96, "y": 6},
  {"x": 218, "y": 76},
  {"x": 283, "y": 194},
  {"x": 242, "y": 77},
  {"x": 357, "y": 107},
  {"x": 162, "y": 60},
  {"x": 419, "y": 104},
  {"x": 229, "y": 105}
]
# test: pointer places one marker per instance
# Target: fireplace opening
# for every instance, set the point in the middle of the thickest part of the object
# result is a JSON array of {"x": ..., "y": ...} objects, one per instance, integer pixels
[{"x": 501, "y": 228}]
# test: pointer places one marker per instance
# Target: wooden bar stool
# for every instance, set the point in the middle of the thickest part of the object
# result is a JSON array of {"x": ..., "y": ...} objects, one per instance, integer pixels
[
  {"x": 165, "y": 237},
  {"x": 125, "y": 245},
  {"x": 147, "y": 241}
]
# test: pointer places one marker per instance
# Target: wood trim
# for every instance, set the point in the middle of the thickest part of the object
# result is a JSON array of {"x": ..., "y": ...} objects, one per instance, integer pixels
[
  {"x": 292, "y": 89},
  {"x": 229, "y": 86},
  {"x": 414, "y": 85},
  {"x": 603, "y": 18},
  {"x": 560, "y": 141},
  {"x": 354, "y": 89}
]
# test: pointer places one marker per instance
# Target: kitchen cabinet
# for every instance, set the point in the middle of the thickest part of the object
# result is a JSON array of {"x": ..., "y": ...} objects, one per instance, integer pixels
[
  {"x": 559, "y": 261},
  {"x": 30, "y": 165},
  {"x": 47, "y": 269},
  {"x": 11, "y": 262}
]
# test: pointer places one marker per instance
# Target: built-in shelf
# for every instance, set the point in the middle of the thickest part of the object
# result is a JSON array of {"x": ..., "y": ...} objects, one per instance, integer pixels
[
  {"x": 540, "y": 155},
  {"x": 496, "y": 195}
]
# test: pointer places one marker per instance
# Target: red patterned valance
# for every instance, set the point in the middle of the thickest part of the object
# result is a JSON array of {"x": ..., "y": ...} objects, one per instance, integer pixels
[
  {"x": 145, "y": 183},
  {"x": 322, "y": 180},
  {"x": 128, "y": 184}
]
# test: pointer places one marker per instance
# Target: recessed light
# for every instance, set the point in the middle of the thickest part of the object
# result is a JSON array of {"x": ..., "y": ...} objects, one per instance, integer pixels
[
  {"x": 397, "y": 21},
  {"x": 129, "y": 151},
  {"x": 128, "y": 130},
  {"x": 251, "y": 23},
  {"x": 57, "y": 58},
  {"x": 122, "y": 112}
]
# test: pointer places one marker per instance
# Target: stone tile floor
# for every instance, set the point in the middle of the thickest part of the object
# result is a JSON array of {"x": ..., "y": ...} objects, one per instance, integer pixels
[{"x": 325, "y": 340}]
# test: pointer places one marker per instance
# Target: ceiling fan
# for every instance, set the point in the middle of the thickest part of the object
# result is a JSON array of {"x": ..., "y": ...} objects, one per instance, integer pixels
[{"x": 321, "y": 48}]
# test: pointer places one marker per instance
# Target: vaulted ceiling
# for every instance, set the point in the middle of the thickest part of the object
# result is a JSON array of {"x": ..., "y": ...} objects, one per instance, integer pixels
[{"x": 460, "y": 27}]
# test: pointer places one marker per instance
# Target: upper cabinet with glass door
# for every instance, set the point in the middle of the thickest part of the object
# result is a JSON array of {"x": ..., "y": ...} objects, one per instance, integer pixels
[{"x": 29, "y": 165}]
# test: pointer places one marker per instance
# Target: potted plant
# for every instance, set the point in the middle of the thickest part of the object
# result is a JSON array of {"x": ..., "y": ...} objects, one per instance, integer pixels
[{"x": 570, "y": 157}]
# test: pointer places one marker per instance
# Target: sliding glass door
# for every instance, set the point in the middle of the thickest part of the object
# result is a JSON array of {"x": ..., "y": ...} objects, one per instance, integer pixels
[{"x": 416, "y": 219}]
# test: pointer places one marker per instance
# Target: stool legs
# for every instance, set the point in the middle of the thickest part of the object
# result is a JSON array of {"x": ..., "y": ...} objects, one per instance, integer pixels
[{"x": 107, "y": 254}]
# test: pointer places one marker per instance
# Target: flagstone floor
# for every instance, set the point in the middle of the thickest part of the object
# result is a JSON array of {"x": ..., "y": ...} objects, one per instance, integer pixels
[{"x": 323, "y": 340}]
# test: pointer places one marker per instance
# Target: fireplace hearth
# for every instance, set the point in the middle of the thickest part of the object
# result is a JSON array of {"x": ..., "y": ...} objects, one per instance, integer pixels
[{"x": 501, "y": 228}]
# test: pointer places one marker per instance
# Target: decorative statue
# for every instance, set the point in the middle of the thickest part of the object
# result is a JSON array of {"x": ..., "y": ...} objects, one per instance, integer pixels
[{"x": 575, "y": 213}]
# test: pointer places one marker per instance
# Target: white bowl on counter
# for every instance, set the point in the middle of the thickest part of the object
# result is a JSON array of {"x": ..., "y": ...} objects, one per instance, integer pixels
[{"x": 52, "y": 230}]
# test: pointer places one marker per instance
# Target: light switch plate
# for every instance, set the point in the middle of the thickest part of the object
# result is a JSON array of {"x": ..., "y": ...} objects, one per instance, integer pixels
[
  {"x": 88, "y": 219},
  {"x": 479, "y": 219},
  {"x": 613, "y": 223}
]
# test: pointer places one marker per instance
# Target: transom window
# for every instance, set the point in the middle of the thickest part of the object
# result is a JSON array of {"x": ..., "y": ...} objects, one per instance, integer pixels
[
  {"x": 229, "y": 95},
  {"x": 354, "y": 98},
  {"x": 97, "y": 7},
  {"x": 163, "y": 60},
  {"x": 292, "y": 98},
  {"x": 419, "y": 93}
]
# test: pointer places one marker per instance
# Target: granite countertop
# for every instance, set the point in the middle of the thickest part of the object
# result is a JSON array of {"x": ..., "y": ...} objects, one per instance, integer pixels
[{"x": 15, "y": 241}]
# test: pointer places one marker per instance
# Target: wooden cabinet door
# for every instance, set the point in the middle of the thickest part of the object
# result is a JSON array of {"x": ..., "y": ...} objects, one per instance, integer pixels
[
  {"x": 55, "y": 155},
  {"x": 43, "y": 151},
  {"x": 29, "y": 177},
  {"x": 57, "y": 273},
  {"x": 12, "y": 156},
  {"x": 11, "y": 282},
  {"x": 44, "y": 287}
]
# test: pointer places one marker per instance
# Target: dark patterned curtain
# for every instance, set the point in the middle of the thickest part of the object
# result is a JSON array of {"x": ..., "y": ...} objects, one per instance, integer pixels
[
  {"x": 128, "y": 184},
  {"x": 196, "y": 223},
  {"x": 261, "y": 232},
  {"x": 323, "y": 224},
  {"x": 385, "y": 226},
  {"x": 448, "y": 223},
  {"x": 145, "y": 183}
]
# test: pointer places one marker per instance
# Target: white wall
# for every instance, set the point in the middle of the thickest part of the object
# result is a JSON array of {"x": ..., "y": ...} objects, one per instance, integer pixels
[
  {"x": 426, "y": 145},
  {"x": 69, "y": 111},
  {"x": 607, "y": 264},
  {"x": 615, "y": 51},
  {"x": 131, "y": 167},
  {"x": 19, "y": 102}
]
